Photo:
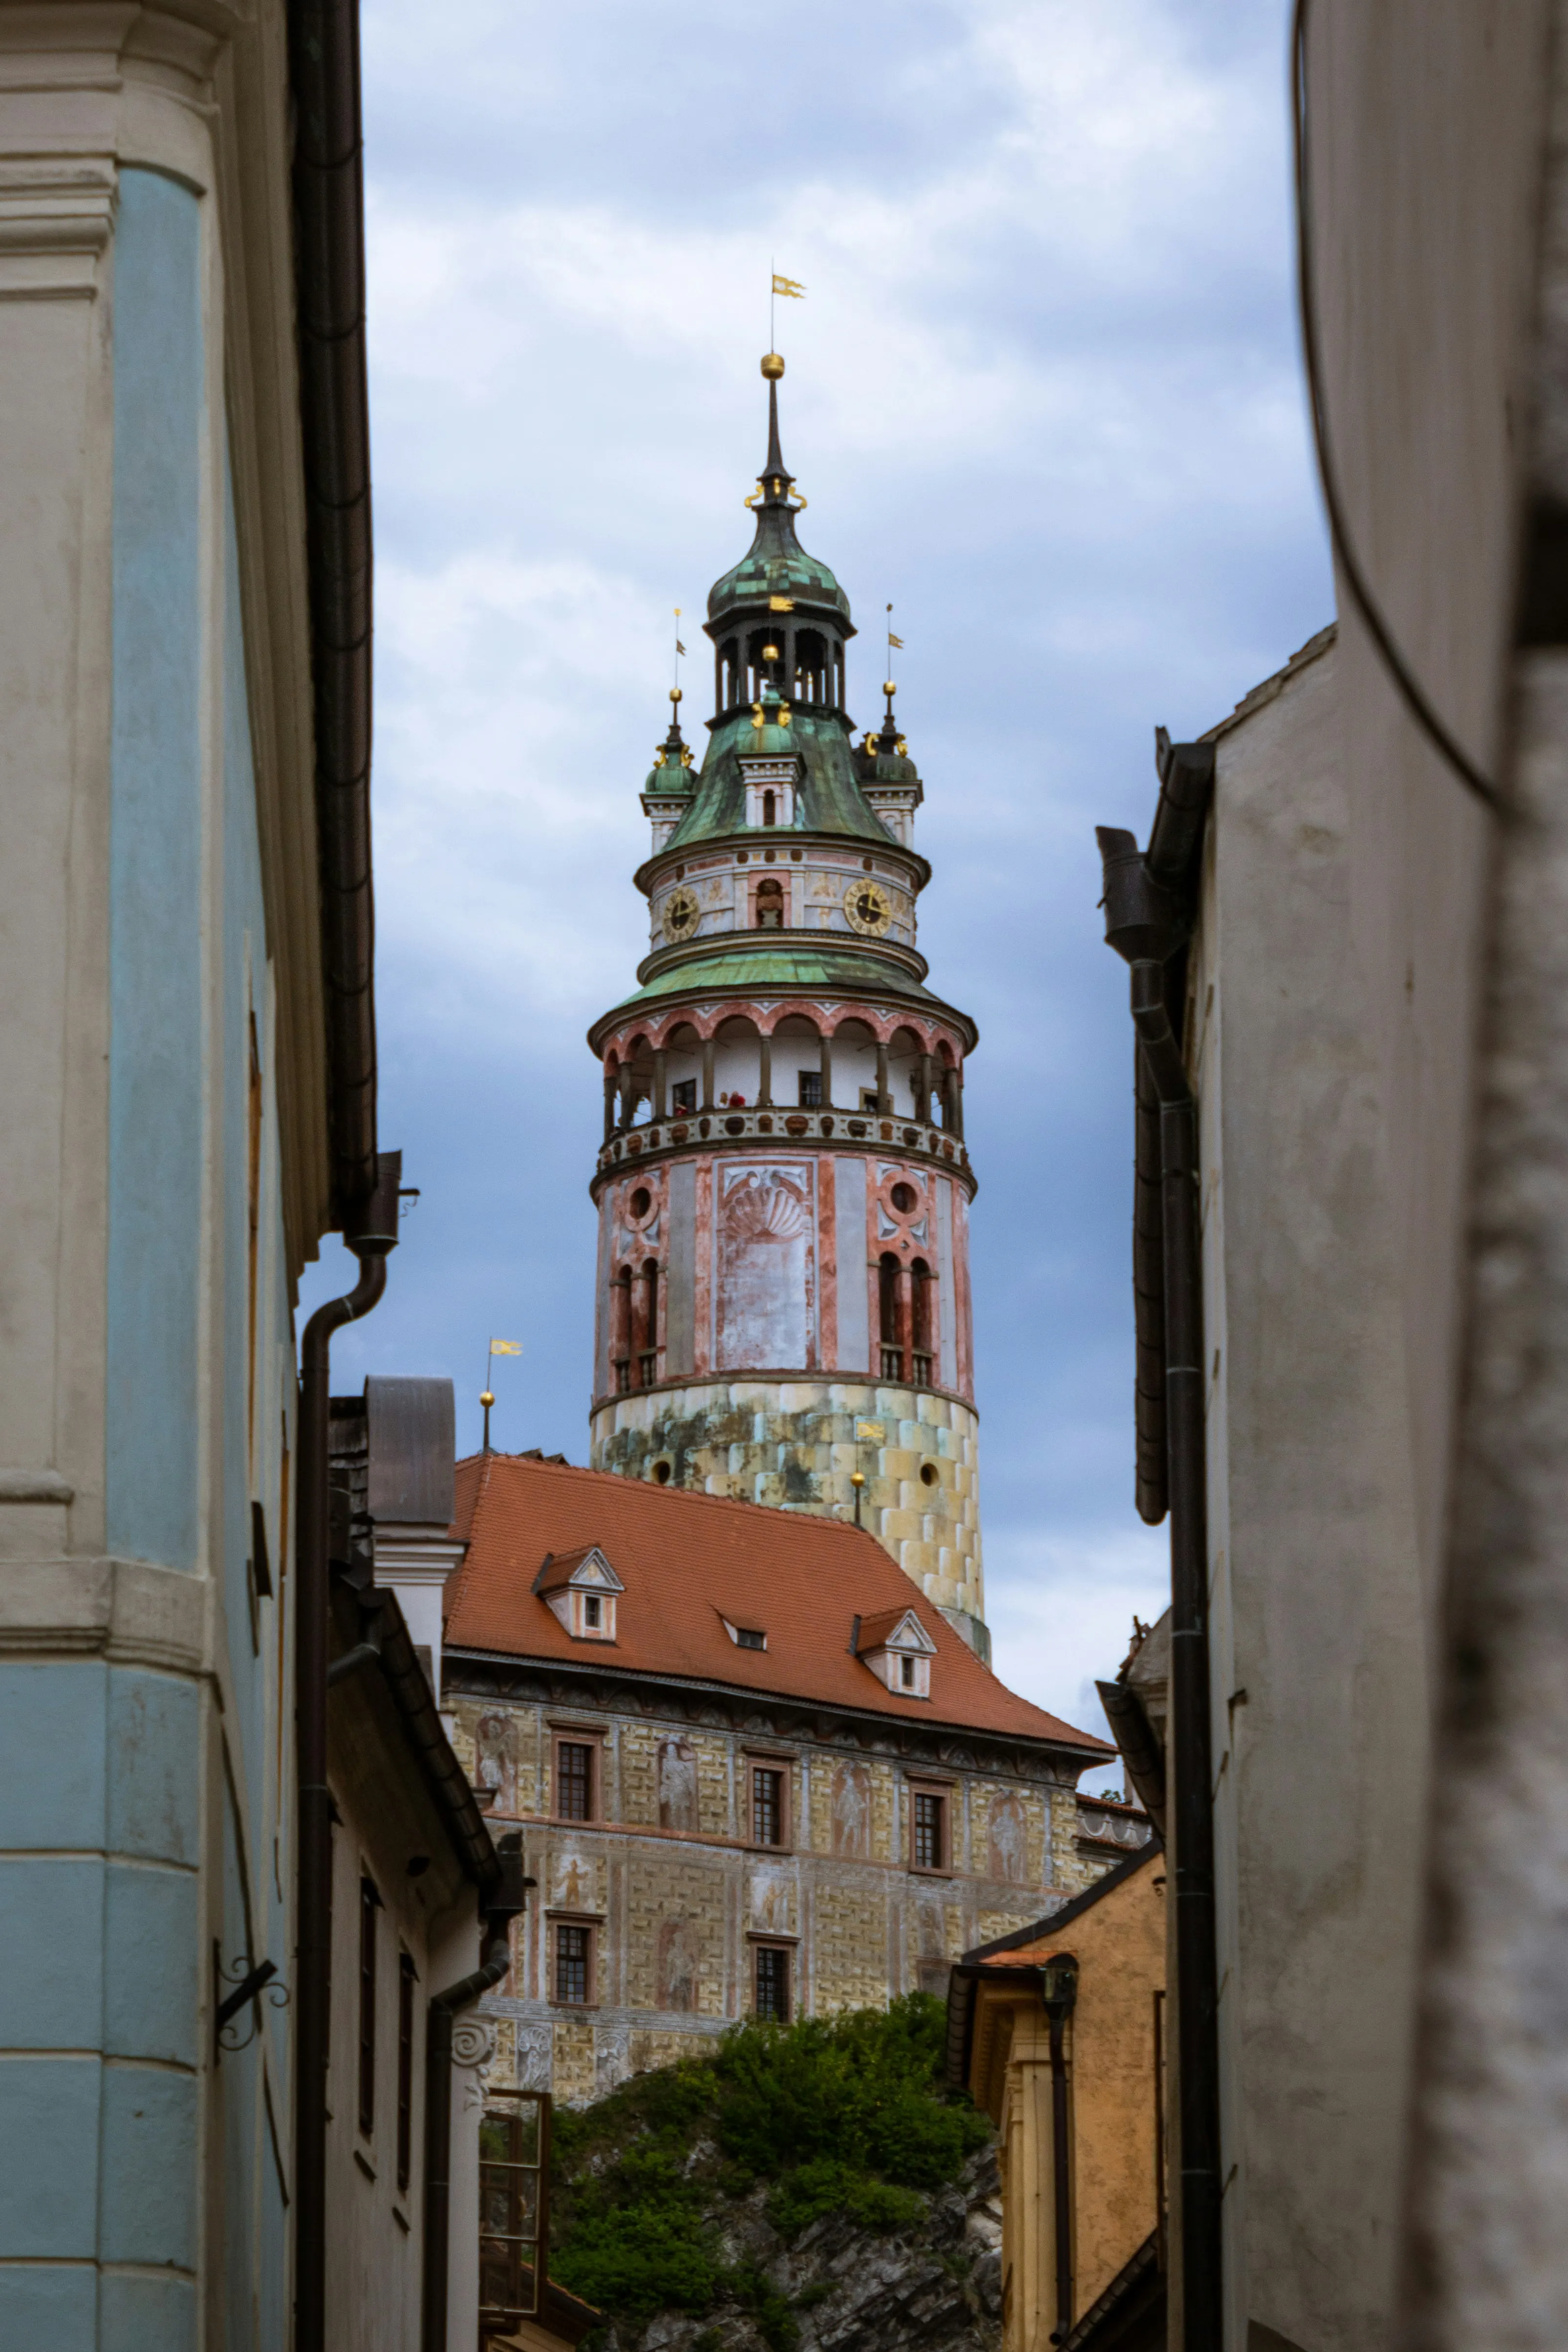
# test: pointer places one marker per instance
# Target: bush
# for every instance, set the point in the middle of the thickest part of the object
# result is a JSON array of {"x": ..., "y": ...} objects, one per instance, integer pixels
[{"x": 846, "y": 2114}]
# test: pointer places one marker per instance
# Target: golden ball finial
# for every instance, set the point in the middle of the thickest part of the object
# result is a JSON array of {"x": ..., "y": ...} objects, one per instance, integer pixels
[
  {"x": 485, "y": 1399},
  {"x": 857, "y": 1479},
  {"x": 888, "y": 687},
  {"x": 773, "y": 367},
  {"x": 770, "y": 653},
  {"x": 674, "y": 694}
]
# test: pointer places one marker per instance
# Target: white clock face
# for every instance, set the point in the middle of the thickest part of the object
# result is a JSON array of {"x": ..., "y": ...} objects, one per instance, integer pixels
[
  {"x": 868, "y": 908},
  {"x": 682, "y": 915}
]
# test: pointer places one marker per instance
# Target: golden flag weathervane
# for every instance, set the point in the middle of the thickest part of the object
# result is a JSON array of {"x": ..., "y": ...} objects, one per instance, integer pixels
[
  {"x": 497, "y": 1347},
  {"x": 792, "y": 291}
]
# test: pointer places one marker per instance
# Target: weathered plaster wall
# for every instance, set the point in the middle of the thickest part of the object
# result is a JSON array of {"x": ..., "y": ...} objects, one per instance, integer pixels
[
  {"x": 1319, "y": 1636},
  {"x": 146, "y": 1182}
]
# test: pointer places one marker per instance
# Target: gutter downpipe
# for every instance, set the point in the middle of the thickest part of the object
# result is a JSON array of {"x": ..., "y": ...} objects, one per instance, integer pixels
[
  {"x": 1148, "y": 921},
  {"x": 444, "y": 2009},
  {"x": 313, "y": 1883},
  {"x": 1059, "y": 1990}
]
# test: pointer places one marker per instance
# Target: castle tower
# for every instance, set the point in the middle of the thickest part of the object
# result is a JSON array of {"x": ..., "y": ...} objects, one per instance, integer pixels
[{"x": 783, "y": 1190}]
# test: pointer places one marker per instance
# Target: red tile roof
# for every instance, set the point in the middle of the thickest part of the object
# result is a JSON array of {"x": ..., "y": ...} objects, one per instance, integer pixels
[{"x": 686, "y": 1559}]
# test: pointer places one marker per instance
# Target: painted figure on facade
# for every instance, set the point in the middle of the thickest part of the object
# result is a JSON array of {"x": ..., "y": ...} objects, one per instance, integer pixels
[{"x": 783, "y": 1187}]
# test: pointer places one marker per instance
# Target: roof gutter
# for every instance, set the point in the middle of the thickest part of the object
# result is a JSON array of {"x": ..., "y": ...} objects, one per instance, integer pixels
[
  {"x": 385, "y": 1642},
  {"x": 334, "y": 405},
  {"x": 1150, "y": 903}
]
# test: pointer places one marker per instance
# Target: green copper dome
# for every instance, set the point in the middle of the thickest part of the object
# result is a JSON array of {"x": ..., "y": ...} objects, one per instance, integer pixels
[{"x": 827, "y": 797}]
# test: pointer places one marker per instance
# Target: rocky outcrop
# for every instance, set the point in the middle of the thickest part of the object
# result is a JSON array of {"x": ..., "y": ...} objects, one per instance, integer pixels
[{"x": 936, "y": 2287}]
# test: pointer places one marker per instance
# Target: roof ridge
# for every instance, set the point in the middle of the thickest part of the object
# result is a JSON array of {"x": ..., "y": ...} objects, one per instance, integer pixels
[{"x": 677, "y": 1494}]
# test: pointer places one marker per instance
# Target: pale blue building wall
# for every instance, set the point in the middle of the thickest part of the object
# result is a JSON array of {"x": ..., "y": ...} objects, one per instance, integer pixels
[{"x": 143, "y": 1815}]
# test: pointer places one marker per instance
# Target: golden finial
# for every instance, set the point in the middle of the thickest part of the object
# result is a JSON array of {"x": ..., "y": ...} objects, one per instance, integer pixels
[
  {"x": 773, "y": 367},
  {"x": 888, "y": 687},
  {"x": 485, "y": 1399},
  {"x": 857, "y": 1478},
  {"x": 770, "y": 653},
  {"x": 675, "y": 695}
]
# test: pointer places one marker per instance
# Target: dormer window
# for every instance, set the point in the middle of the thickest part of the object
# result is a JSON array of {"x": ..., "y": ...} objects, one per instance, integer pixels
[
  {"x": 579, "y": 1588},
  {"x": 745, "y": 1637},
  {"x": 897, "y": 1648}
]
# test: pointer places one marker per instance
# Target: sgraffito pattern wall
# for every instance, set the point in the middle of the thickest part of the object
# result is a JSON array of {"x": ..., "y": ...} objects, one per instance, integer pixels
[{"x": 677, "y": 1899}]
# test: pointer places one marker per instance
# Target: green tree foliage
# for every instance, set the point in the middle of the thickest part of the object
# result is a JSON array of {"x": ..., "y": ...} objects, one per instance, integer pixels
[{"x": 846, "y": 2114}]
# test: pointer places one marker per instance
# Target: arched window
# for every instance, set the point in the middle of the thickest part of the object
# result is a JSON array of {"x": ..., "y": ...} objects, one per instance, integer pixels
[
  {"x": 812, "y": 666},
  {"x": 621, "y": 1329},
  {"x": 922, "y": 1323},
  {"x": 728, "y": 674},
  {"x": 644, "y": 1349},
  {"x": 769, "y": 905},
  {"x": 887, "y": 1317}
]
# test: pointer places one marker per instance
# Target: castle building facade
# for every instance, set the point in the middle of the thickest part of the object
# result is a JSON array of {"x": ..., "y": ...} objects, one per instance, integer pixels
[
  {"x": 783, "y": 1186},
  {"x": 753, "y": 1771}
]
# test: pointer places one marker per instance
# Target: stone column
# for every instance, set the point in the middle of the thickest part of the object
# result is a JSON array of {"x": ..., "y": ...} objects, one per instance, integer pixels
[
  {"x": 609, "y": 1083},
  {"x": 827, "y": 1052},
  {"x": 708, "y": 1074},
  {"x": 661, "y": 1061},
  {"x": 922, "y": 1104},
  {"x": 884, "y": 1099},
  {"x": 765, "y": 1072}
]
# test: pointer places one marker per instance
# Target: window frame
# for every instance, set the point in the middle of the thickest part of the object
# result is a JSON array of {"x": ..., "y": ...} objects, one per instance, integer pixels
[
  {"x": 771, "y": 1759},
  {"x": 778, "y": 1949},
  {"x": 944, "y": 1794},
  {"x": 572, "y": 1923},
  {"x": 407, "y": 1978},
  {"x": 370, "y": 1954},
  {"x": 570, "y": 1735},
  {"x": 506, "y": 2106}
]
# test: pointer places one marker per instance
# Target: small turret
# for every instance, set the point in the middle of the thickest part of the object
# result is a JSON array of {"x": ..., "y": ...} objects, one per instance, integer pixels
[{"x": 667, "y": 794}]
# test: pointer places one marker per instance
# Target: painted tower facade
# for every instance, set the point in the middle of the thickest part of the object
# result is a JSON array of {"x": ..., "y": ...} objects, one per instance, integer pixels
[{"x": 783, "y": 1187}]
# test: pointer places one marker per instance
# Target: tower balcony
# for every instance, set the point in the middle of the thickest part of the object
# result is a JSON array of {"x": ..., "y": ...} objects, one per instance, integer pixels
[{"x": 771, "y": 1126}]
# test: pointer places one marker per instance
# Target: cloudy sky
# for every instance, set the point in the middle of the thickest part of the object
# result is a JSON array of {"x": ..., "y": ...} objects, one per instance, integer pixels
[{"x": 1042, "y": 395}]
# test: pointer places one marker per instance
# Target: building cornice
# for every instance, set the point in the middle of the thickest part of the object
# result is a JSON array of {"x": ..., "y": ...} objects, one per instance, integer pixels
[
  {"x": 642, "y": 1691},
  {"x": 664, "y": 861}
]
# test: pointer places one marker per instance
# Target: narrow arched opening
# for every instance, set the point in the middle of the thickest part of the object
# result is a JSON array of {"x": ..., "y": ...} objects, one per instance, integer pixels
[
  {"x": 888, "y": 1286},
  {"x": 923, "y": 1322},
  {"x": 644, "y": 1349},
  {"x": 770, "y": 902}
]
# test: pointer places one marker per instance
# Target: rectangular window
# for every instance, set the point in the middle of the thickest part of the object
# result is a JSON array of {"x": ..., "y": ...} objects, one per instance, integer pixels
[
  {"x": 811, "y": 1090},
  {"x": 906, "y": 1673},
  {"x": 871, "y": 1100},
  {"x": 574, "y": 1777},
  {"x": 370, "y": 1904},
  {"x": 773, "y": 1983},
  {"x": 684, "y": 1095},
  {"x": 592, "y": 1612},
  {"x": 750, "y": 1637},
  {"x": 928, "y": 1828},
  {"x": 405, "y": 1984},
  {"x": 514, "y": 2202},
  {"x": 767, "y": 1806},
  {"x": 573, "y": 1961}
]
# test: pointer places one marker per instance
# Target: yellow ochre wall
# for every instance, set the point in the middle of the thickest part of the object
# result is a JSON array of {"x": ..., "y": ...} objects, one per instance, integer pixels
[{"x": 1119, "y": 1943}]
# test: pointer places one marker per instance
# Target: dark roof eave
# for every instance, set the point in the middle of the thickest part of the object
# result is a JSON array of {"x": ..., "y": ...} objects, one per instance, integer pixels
[
  {"x": 444, "y": 1777},
  {"x": 334, "y": 414}
]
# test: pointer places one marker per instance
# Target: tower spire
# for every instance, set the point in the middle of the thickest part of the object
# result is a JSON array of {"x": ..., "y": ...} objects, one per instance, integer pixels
[{"x": 774, "y": 477}]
